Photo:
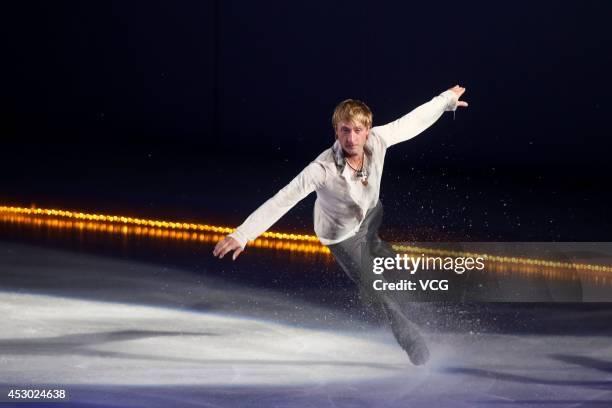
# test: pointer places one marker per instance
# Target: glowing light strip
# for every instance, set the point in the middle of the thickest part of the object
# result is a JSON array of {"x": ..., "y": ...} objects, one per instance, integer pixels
[
  {"x": 182, "y": 226},
  {"x": 158, "y": 233},
  {"x": 149, "y": 223},
  {"x": 505, "y": 259}
]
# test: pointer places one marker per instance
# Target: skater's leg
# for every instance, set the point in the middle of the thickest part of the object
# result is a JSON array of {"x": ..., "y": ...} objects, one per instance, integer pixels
[
  {"x": 359, "y": 268},
  {"x": 355, "y": 257},
  {"x": 405, "y": 331}
]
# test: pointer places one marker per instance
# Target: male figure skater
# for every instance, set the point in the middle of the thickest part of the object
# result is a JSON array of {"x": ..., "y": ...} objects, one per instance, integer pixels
[{"x": 347, "y": 211}]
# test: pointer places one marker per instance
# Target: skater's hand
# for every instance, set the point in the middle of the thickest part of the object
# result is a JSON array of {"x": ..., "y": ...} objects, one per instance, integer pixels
[
  {"x": 226, "y": 245},
  {"x": 459, "y": 90}
]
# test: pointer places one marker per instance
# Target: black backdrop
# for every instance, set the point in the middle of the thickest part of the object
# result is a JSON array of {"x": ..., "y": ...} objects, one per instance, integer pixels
[{"x": 204, "y": 109}]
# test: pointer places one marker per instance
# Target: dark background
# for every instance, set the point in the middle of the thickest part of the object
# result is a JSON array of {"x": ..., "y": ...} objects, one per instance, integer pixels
[{"x": 202, "y": 110}]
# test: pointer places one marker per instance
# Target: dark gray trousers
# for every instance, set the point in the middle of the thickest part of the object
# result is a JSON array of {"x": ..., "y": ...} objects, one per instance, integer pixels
[{"x": 355, "y": 255}]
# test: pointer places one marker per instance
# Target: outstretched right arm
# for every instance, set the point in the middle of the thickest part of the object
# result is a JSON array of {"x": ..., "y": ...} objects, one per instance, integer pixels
[{"x": 308, "y": 180}]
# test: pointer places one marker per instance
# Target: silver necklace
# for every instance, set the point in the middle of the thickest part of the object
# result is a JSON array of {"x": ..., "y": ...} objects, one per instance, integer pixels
[{"x": 361, "y": 172}]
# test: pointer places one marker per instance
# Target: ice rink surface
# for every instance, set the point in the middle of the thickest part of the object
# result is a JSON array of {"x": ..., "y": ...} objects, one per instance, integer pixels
[{"x": 122, "y": 333}]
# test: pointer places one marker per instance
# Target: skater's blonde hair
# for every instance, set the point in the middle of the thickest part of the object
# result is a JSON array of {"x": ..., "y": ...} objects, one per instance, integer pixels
[{"x": 352, "y": 110}]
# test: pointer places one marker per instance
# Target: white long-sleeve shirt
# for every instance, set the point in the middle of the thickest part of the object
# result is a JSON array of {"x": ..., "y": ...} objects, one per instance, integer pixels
[{"x": 342, "y": 200}]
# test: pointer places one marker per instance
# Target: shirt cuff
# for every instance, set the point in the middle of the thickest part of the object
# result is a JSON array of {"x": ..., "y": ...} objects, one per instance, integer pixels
[
  {"x": 238, "y": 236},
  {"x": 452, "y": 100}
]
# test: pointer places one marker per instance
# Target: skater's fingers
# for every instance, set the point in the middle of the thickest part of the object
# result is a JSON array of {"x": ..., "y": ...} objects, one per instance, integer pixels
[
  {"x": 218, "y": 250},
  {"x": 458, "y": 90},
  {"x": 218, "y": 247},
  {"x": 462, "y": 103},
  {"x": 236, "y": 253},
  {"x": 224, "y": 251},
  {"x": 229, "y": 245},
  {"x": 222, "y": 247}
]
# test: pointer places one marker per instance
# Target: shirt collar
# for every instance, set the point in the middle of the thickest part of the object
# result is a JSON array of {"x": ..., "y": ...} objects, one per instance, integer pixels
[{"x": 338, "y": 155}]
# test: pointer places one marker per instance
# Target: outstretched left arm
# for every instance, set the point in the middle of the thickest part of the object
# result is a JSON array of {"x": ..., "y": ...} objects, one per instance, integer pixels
[{"x": 419, "y": 119}]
